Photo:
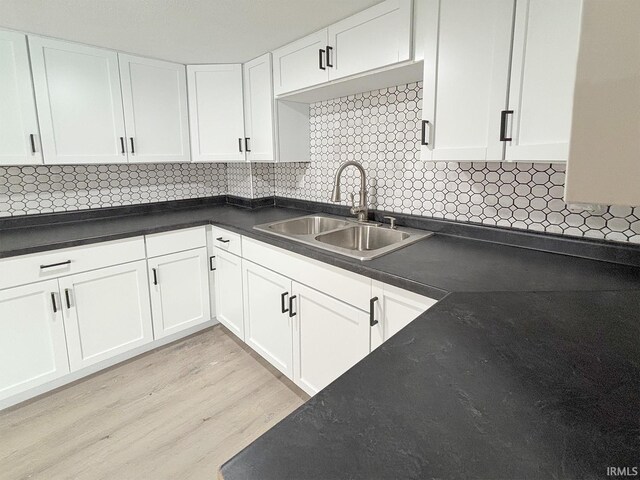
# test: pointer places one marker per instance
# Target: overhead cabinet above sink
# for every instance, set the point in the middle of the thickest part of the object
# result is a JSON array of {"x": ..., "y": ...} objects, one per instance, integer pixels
[{"x": 372, "y": 39}]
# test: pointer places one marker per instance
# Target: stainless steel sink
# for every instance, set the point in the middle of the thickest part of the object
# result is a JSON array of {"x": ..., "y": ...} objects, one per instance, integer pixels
[
  {"x": 344, "y": 236},
  {"x": 310, "y": 225},
  {"x": 363, "y": 237}
]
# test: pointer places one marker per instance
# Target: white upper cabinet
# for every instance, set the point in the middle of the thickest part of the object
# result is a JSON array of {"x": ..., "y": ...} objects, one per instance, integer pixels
[
  {"x": 373, "y": 38},
  {"x": 301, "y": 64},
  {"x": 154, "y": 95},
  {"x": 466, "y": 75},
  {"x": 543, "y": 71},
  {"x": 216, "y": 113},
  {"x": 33, "y": 348},
  {"x": 19, "y": 136},
  {"x": 258, "y": 110},
  {"x": 79, "y": 102}
]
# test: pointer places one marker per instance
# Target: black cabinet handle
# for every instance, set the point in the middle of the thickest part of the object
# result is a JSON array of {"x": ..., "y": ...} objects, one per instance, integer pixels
[
  {"x": 321, "y": 53},
  {"x": 53, "y": 302},
  {"x": 223, "y": 240},
  {"x": 503, "y": 125},
  {"x": 372, "y": 306},
  {"x": 291, "y": 312},
  {"x": 211, "y": 267},
  {"x": 133, "y": 148},
  {"x": 51, "y": 265},
  {"x": 329, "y": 50},
  {"x": 240, "y": 145},
  {"x": 423, "y": 134},
  {"x": 32, "y": 139},
  {"x": 67, "y": 297},
  {"x": 122, "y": 148},
  {"x": 246, "y": 144},
  {"x": 155, "y": 276},
  {"x": 282, "y": 303}
]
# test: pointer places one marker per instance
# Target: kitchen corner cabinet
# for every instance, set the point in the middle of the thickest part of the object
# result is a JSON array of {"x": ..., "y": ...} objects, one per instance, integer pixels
[
  {"x": 229, "y": 297},
  {"x": 19, "y": 133},
  {"x": 154, "y": 94},
  {"x": 543, "y": 72},
  {"x": 179, "y": 284},
  {"x": 267, "y": 316},
  {"x": 496, "y": 90},
  {"x": 258, "y": 110},
  {"x": 393, "y": 309},
  {"x": 216, "y": 113},
  {"x": 106, "y": 312},
  {"x": 329, "y": 337},
  {"x": 33, "y": 348},
  {"x": 373, "y": 38},
  {"x": 86, "y": 126}
]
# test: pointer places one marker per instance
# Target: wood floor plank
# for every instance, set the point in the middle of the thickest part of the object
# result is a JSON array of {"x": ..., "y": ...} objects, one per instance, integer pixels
[{"x": 174, "y": 413}]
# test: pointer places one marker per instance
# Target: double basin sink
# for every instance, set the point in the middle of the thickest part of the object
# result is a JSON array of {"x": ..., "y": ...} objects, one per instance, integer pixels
[{"x": 363, "y": 241}]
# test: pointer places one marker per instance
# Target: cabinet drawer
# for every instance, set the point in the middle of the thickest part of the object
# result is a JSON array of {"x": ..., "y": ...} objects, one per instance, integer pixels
[
  {"x": 347, "y": 286},
  {"x": 175, "y": 241},
  {"x": 226, "y": 240},
  {"x": 57, "y": 263}
]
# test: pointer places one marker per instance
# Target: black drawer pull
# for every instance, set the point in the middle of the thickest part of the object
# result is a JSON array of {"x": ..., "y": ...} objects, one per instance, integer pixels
[
  {"x": 122, "y": 147},
  {"x": 67, "y": 297},
  {"x": 211, "y": 267},
  {"x": 423, "y": 133},
  {"x": 240, "y": 145},
  {"x": 282, "y": 302},
  {"x": 32, "y": 139},
  {"x": 51, "y": 265},
  {"x": 133, "y": 149},
  {"x": 246, "y": 144},
  {"x": 155, "y": 276},
  {"x": 372, "y": 306},
  {"x": 503, "y": 125},
  {"x": 223, "y": 240},
  {"x": 321, "y": 52},
  {"x": 329, "y": 50},
  {"x": 291, "y": 312}
]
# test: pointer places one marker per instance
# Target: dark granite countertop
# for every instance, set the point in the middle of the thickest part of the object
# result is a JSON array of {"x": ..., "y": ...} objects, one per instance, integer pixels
[
  {"x": 529, "y": 368},
  {"x": 497, "y": 385}
]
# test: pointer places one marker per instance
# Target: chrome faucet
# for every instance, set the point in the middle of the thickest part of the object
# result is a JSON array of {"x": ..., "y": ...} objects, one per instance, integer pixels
[{"x": 361, "y": 210}]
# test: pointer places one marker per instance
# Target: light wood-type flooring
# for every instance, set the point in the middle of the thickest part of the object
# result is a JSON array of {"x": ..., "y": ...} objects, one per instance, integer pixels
[{"x": 175, "y": 413}]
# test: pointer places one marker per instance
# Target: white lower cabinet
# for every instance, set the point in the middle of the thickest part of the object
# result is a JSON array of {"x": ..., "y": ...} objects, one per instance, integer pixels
[
  {"x": 179, "y": 287},
  {"x": 329, "y": 338},
  {"x": 267, "y": 319},
  {"x": 393, "y": 309},
  {"x": 229, "y": 299},
  {"x": 33, "y": 348},
  {"x": 106, "y": 312}
]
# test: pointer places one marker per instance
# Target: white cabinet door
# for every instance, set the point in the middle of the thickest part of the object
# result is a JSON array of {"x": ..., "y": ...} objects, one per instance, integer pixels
[
  {"x": 19, "y": 135},
  {"x": 543, "y": 72},
  {"x": 466, "y": 74},
  {"x": 33, "y": 349},
  {"x": 229, "y": 301},
  {"x": 258, "y": 109},
  {"x": 79, "y": 102},
  {"x": 393, "y": 309},
  {"x": 268, "y": 326},
  {"x": 329, "y": 338},
  {"x": 216, "y": 113},
  {"x": 106, "y": 312},
  {"x": 179, "y": 291},
  {"x": 301, "y": 64},
  {"x": 373, "y": 38},
  {"x": 154, "y": 95}
]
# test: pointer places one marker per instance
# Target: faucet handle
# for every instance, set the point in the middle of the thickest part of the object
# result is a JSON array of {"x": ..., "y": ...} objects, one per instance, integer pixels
[{"x": 392, "y": 221}]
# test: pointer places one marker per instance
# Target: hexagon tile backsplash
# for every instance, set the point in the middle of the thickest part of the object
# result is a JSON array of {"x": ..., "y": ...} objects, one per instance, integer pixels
[{"x": 379, "y": 129}]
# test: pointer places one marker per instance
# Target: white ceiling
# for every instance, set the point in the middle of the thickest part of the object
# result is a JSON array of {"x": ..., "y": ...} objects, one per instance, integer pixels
[{"x": 185, "y": 31}]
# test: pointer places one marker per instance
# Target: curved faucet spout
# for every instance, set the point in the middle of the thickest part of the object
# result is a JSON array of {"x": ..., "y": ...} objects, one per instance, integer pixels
[{"x": 362, "y": 209}]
